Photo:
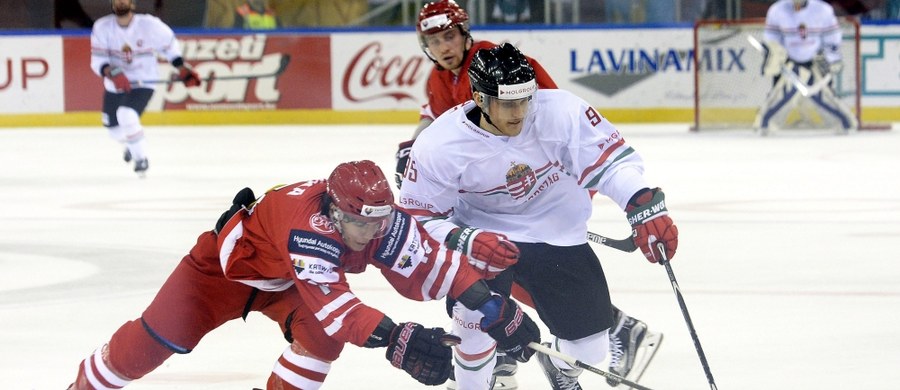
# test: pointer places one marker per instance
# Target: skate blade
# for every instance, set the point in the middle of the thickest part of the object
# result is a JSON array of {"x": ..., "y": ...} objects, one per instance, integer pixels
[
  {"x": 644, "y": 356},
  {"x": 505, "y": 383}
]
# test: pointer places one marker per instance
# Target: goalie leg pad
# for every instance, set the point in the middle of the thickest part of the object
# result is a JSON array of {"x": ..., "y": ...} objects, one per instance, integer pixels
[
  {"x": 831, "y": 105},
  {"x": 773, "y": 107}
]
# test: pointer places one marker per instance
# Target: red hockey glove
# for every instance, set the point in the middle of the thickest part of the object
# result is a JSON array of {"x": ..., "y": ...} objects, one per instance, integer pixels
[
  {"x": 187, "y": 76},
  {"x": 402, "y": 158},
  {"x": 120, "y": 81},
  {"x": 510, "y": 326},
  {"x": 651, "y": 224},
  {"x": 423, "y": 353},
  {"x": 490, "y": 252}
]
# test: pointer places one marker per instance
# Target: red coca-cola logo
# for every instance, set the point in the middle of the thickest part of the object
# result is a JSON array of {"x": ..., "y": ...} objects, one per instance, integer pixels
[{"x": 371, "y": 75}]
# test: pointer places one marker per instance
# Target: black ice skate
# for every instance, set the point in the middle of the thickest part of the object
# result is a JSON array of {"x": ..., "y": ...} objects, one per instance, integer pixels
[
  {"x": 141, "y": 166},
  {"x": 632, "y": 347},
  {"x": 503, "y": 377},
  {"x": 504, "y": 373},
  {"x": 127, "y": 155},
  {"x": 560, "y": 379}
]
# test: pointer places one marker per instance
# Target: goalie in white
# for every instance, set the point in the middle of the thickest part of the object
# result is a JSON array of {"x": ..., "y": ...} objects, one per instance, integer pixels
[{"x": 801, "y": 47}]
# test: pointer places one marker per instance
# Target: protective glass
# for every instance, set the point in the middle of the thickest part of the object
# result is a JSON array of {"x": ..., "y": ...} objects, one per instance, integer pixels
[{"x": 359, "y": 225}]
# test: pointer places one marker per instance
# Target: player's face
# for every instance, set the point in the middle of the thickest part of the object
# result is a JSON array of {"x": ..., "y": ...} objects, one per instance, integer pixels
[
  {"x": 122, "y": 7},
  {"x": 508, "y": 116},
  {"x": 357, "y": 231},
  {"x": 447, "y": 48}
]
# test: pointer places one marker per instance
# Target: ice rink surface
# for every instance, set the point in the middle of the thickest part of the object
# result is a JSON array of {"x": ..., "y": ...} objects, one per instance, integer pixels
[{"x": 788, "y": 253}]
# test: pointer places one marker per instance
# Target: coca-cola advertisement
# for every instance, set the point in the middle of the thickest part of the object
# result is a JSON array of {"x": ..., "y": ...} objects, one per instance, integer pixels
[{"x": 378, "y": 71}]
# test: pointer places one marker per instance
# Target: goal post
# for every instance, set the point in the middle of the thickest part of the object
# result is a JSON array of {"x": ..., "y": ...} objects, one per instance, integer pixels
[{"x": 729, "y": 87}]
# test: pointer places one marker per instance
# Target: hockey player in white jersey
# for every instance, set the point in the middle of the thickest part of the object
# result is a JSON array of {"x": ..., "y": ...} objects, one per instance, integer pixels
[
  {"x": 124, "y": 50},
  {"x": 512, "y": 166},
  {"x": 802, "y": 42}
]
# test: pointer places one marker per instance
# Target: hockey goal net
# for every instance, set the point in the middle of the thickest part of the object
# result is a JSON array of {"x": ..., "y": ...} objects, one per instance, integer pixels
[{"x": 728, "y": 85}]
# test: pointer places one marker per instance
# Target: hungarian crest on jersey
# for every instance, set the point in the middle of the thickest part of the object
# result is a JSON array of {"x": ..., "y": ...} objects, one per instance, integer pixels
[{"x": 520, "y": 179}]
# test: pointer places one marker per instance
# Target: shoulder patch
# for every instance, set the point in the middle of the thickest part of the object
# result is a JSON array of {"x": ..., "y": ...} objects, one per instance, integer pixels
[
  {"x": 310, "y": 244},
  {"x": 392, "y": 244}
]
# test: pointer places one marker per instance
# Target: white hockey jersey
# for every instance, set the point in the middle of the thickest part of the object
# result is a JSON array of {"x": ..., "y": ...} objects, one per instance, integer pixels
[
  {"x": 531, "y": 187},
  {"x": 133, "y": 48},
  {"x": 806, "y": 32}
]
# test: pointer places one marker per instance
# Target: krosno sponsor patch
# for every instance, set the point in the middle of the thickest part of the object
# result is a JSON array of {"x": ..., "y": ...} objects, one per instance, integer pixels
[
  {"x": 376, "y": 211},
  {"x": 435, "y": 21}
]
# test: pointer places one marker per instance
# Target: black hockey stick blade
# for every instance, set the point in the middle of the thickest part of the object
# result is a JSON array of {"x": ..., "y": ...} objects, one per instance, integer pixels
[
  {"x": 624, "y": 245},
  {"x": 578, "y": 363},
  {"x": 282, "y": 65}
]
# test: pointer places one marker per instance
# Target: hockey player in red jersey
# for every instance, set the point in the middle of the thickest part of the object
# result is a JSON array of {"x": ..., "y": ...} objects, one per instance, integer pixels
[
  {"x": 444, "y": 36},
  {"x": 286, "y": 254},
  {"x": 443, "y": 32}
]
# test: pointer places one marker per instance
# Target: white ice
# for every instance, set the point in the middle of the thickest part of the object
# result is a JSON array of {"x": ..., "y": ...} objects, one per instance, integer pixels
[{"x": 788, "y": 255}]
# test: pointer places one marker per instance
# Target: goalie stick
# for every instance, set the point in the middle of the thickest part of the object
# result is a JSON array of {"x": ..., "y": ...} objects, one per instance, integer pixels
[
  {"x": 805, "y": 90},
  {"x": 282, "y": 65},
  {"x": 578, "y": 363}
]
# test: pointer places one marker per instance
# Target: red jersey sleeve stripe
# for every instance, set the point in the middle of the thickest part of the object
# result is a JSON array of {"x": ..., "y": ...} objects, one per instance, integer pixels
[{"x": 600, "y": 161}]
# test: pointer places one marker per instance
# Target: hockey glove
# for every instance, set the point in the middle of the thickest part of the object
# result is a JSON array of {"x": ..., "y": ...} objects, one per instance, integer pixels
[
  {"x": 187, "y": 76},
  {"x": 242, "y": 200},
  {"x": 402, "y": 159},
  {"x": 506, "y": 323},
  {"x": 423, "y": 353},
  {"x": 651, "y": 224},
  {"x": 490, "y": 253},
  {"x": 120, "y": 81}
]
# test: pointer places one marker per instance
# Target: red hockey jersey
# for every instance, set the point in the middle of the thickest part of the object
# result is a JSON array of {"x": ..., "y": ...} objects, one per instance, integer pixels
[
  {"x": 446, "y": 90},
  {"x": 285, "y": 241}
]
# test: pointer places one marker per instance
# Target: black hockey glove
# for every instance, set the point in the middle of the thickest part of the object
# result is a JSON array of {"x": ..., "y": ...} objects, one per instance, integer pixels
[
  {"x": 423, "y": 353},
  {"x": 510, "y": 326},
  {"x": 402, "y": 158},
  {"x": 243, "y": 199}
]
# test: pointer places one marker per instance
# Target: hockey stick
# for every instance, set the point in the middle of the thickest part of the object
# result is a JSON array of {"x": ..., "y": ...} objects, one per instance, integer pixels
[
  {"x": 627, "y": 245},
  {"x": 687, "y": 316},
  {"x": 282, "y": 65},
  {"x": 801, "y": 87},
  {"x": 578, "y": 363},
  {"x": 624, "y": 245}
]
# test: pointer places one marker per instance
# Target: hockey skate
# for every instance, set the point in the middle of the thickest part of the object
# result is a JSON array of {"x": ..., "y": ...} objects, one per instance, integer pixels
[
  {"x": 141, "y": 166},
  {"x": 560, "y": 379},
  {"x": 503, "y": 378},
  {"x": 127, "y": 155},
  {"x": 632, "y": 347}
]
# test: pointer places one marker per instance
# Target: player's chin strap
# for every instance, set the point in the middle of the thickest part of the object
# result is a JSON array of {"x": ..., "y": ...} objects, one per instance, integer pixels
[
  {"x": 578, "y": 363},
  {"x": 627, "y": 245}
]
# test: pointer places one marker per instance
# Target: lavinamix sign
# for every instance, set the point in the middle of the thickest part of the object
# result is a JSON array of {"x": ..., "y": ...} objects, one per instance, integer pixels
[{"x": 644, "y": 72}]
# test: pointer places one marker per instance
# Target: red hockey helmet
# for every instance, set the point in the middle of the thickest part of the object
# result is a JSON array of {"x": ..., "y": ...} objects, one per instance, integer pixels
[
  {"x": 439, "y": 16},
  {"x": 359, "y": 188}
]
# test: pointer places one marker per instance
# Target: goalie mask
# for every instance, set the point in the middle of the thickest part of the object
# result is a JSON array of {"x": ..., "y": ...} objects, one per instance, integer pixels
[
  {"x": 503, "y": 82},
  {"x": 361, "y": 202},
  {"x": 437, "y": 17}
]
